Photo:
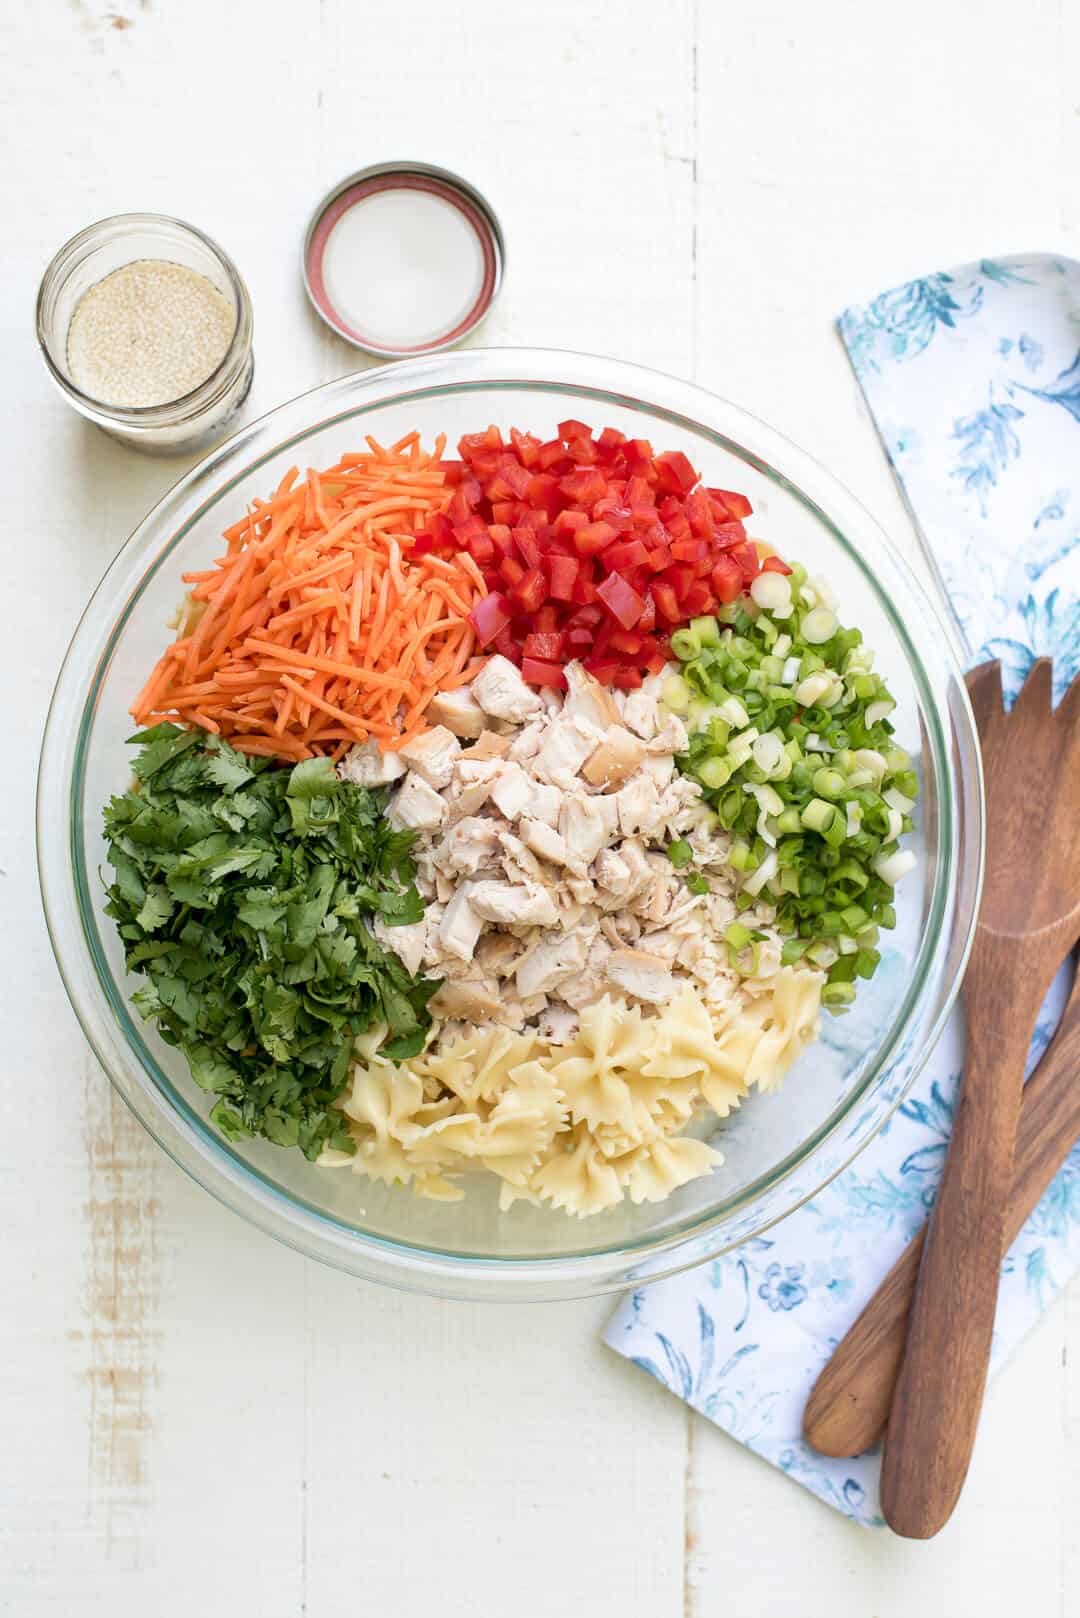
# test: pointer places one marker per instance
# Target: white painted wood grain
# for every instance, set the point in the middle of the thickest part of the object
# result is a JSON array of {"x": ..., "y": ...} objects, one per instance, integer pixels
[{"x": 195, "y": 1419}]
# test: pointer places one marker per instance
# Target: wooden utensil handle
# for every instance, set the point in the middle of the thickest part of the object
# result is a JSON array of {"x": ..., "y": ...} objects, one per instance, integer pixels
[
  {"x": 849, "y": 1404},
  {"x": 939, "y": 1388}
]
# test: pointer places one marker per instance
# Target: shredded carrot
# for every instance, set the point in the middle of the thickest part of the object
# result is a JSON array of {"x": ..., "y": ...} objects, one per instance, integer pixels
[{"x": 317, "y": 627}]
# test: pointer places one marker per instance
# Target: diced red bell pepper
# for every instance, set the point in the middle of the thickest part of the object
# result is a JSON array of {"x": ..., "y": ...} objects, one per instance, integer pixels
[
  {"x": 473, "y": 444},
  {"x": 628, "y": 553},
  {"x": 728, "y": 534},
  {"x": 627, "y": 678},
  {"x": 537, "y": 672},
  {"x": 594, "y": 537},
  {"x": 736, "y": 505},
  {"x": 563, "y": 572},
  {"x": 440, "y": 529},
  {"x": 647, "y": 622},
  {"x": 659, "y": 558},
  {"x": 727, "y": 580},
  {"x": 625, "y": 641},
  {"x": 675, "y": 471},
  {"x": 667, "y": 602},
  {"x": 547, "y": 619},
  {"x": 490, "y": 617},
  {"x": 544, "y": 492},
  {"x": 583, "y": 452},
  {"x": 747, "y": 560},
  {"x": 573, "y": 429},
  {"x": 699, "y": 513},
  {"x": 680, "y": 575},
  {"x": 548, "y": 647},
  {"x": 526, "y": 447},
  {"x": 551, "y": 454},
  {"x": 603, "y": 669},
  {"x": 690, "y": 550},
  {"x": 611, "y": 438},
  {"x": 586, "y": 485},
  {"x": 621, "y": 600},
  {"x": 528, "y": 548},
  {"x": 697, "y": 599},
  {"x": 568, "y": 522},
  {"x": 775, "y": 564},
  {"x": 422, "y": 545},
  {"x": 531, "y": 592},
  {"x": 511, "y": 571},
  {"x": 507, "y": 646}
]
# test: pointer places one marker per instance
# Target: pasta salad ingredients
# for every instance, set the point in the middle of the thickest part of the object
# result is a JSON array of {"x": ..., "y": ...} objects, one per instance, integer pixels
[
  {"x": 793, "y": 748},
  {"x": 516, "y": 813},
  {"x": 242, "y": 895},
  {"x": 592, "y": 548},
  {"x": 325, "y": 623}
]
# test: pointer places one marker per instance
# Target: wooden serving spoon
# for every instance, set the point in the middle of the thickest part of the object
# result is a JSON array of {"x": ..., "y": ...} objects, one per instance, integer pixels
[
  {"x": 849, "y": 1403},
  {"x": 1028, "y": 921}
]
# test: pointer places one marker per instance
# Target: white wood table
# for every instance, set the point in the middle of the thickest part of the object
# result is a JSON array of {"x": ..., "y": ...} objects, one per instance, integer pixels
[{"x": 196, "y": 1421}]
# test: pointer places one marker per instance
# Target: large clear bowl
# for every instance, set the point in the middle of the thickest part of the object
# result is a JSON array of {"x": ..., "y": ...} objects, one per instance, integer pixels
[{"x": 779, "y": 1149}]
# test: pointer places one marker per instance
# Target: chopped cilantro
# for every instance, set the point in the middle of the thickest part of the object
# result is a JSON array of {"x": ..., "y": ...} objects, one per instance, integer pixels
[{"x": 242, "y": 892}]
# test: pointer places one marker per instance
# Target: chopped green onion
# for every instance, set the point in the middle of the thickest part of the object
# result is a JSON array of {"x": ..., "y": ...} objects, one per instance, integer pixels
[
  {"x": 685, "y": 645},
  {"x": 675, "y": 694}
]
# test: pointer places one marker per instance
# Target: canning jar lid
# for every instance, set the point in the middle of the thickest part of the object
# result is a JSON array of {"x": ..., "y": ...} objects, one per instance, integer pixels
[{"x": 403, "y": 259}]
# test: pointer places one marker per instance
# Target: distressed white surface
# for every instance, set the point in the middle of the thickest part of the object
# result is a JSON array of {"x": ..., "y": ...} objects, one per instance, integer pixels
[{"x": 195, "y": 1420}]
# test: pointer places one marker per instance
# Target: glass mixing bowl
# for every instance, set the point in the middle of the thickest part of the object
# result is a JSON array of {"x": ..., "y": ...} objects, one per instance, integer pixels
[{"x": 779, "y": 1148}]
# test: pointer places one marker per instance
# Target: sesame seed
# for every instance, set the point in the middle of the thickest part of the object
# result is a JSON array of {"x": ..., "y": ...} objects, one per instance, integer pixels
[{"x": 148, "y": 334}]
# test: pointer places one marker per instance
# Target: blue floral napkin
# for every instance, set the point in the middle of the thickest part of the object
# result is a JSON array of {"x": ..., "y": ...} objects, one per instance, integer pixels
[{"x": 973, "y": 380}]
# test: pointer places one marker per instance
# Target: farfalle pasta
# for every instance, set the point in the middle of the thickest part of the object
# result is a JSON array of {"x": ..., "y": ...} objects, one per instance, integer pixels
[{"x": 582, "y": 1125}]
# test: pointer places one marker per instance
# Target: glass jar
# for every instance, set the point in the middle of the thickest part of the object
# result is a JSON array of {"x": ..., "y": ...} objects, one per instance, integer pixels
[{"x": 199, "y": 416}]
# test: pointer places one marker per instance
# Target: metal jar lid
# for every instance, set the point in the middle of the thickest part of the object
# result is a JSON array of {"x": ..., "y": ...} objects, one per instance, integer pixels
[{"x": 403, "y": 258}]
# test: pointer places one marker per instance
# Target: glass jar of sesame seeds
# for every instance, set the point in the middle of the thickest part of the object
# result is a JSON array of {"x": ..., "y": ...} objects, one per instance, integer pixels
[{"x": 146, "y": 328}]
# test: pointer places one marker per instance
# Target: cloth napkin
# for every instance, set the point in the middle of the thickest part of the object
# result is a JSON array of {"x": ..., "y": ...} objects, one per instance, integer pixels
[{"x": 973, "y": 381}]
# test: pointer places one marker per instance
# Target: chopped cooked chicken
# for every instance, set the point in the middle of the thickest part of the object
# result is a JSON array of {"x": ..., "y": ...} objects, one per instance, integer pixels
[
  {"x": 612, "y": 874},
  {"x": 501, "y": 692},
  {"x": 518, "y": 862},
  {"x": 489, "y": 745},
  {"x": 497, "y": 952},
  {"x": 459, "y": 711},
  {"x": 566, "y": 745},
  {"x": 541, "y": 855},
  {"x": 471, "y": 844},
  {"x": 472, "y": 784},
  {"x": 636, "y": 972},
  {"x": 587, "y": 699},
  {"x": 476, "y": 1000},
  {"x": 544, "y": 803},
  {"x": 543, "y": 840},
  {"x": 368, "y": 766},
  {"x": 586, "y": 824},
  {"x": 660, "y": 766},
  {"x": 511, "y": 790},
  {"x": 526, "y": 744},
  {"x": 672, "y": 737},
  {"x": 432, "y": 755},
  {"x": 512, "y": 905},
  {"x": 558, "y": 1024},
  {"x": 641, "y": 711},
  {"x": 554, "y": 959},
  {"x": 406, "y": 942},
  {"x": 460, "y": 926},
  {"x": 416, "y": 806},
  {"x": 638, "y": 802},
  {"x": 614, "y": 760}
]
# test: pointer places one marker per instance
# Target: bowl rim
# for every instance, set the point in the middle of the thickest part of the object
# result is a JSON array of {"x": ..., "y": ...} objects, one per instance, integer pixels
[{"x": 170, "y": 1119}]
